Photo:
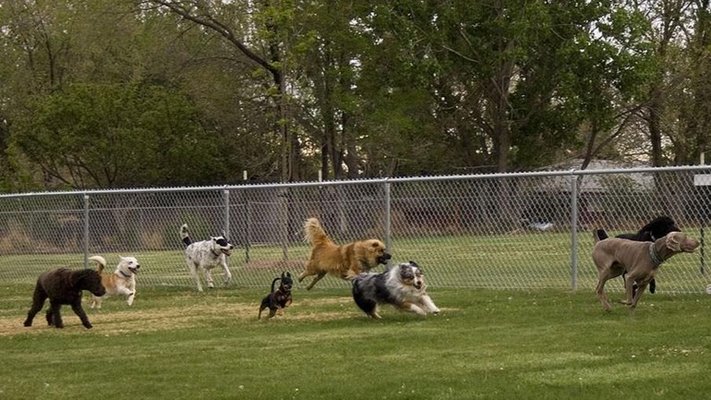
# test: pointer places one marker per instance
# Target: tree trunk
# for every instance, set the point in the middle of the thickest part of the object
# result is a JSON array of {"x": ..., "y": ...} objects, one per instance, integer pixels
[{"x": 654, "y": 112}]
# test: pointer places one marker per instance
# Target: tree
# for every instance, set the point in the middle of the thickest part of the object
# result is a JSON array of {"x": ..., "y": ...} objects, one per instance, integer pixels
[
  {"x": 221, "y": 18},
  {"x": 324, "y": 54},
  {"x": 95, "y": 135},
  {"x": 698, "y": 114},
  {"x": 284, "y": 88}
]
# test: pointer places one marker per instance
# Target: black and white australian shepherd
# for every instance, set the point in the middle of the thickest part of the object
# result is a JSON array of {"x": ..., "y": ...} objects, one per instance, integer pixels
[{"x": 402, "y": 286}]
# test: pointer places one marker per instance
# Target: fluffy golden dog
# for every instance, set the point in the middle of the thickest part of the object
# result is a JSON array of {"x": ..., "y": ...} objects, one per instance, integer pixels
[{"x": 344, "y": 261}]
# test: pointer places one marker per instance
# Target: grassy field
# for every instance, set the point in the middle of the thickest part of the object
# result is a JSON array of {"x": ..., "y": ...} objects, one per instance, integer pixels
[
  {"x": 506, "y": 261},
  {"x": 175, "y": 343}
]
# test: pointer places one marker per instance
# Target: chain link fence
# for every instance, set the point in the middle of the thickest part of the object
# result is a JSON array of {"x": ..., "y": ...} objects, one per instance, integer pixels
[{"x": 502, "y": 231}]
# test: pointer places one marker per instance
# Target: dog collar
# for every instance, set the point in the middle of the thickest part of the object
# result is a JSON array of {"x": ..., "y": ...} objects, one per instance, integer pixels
[
  {"x": 215, "y": 253},
  {"x": 653, "y": 255},
  {"x": 124, "y": 275}
]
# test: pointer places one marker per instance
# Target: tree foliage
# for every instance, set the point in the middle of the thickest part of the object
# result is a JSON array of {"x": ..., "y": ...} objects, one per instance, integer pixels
[
  {"x": 105, "y": 93},
  {"x": 115, "y": 136}
]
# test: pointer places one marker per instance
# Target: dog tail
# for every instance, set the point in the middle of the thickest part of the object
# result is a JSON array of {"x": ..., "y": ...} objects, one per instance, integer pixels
[
  {"x": 314, "y": 233},
  {"x": 274, "y": 283},
  {"x": 600, "y": 234},
  {"x": 184, "y": 235},
  {"x": 99, "y": 260}
]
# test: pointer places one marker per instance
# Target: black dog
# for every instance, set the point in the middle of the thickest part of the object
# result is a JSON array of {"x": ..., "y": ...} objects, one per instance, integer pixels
[
  {"x": 655, "y": 229},
  {"x": 64, "y": 286},
  {"x": 281, "y": 298}
]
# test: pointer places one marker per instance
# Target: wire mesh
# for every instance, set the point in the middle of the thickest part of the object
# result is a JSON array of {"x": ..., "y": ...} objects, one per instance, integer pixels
[{"x": 501, "y": 231}]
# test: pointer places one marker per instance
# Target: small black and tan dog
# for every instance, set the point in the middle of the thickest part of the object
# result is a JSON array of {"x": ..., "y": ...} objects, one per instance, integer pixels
[{"x": 277, "y": 299}]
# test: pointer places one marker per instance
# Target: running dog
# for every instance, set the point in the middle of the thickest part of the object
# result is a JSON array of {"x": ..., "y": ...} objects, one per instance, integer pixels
[
  {"x": 121, "y": 282},
  {"x": 279, "y": 299},
  {"x": 641, "y": 261},
  {"x": 206, "y": 255},
  {"x": 64, "y": 286},
  {"x": 344, "y": 261},
  {"x": 655, "y": 229},
  {"x": 402, "y": 286}
]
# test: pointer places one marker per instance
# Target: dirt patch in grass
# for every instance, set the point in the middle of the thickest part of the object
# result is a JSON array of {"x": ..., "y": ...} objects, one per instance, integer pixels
[
  {"x": 184, "y": 313},
  {"x": 327, "y": 301},
  {"x": 127, "y": 320}
]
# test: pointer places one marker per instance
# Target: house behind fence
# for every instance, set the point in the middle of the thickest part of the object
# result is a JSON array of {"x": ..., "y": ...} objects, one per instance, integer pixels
[{"x": 502, "y": 231}]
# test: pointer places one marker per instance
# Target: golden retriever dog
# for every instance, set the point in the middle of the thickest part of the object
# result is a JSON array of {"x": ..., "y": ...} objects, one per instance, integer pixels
[{"x": 344, "y": 261}]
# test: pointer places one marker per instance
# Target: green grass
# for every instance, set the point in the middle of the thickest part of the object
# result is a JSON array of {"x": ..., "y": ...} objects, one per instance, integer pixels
[
  {"x": 526, "y": 260},
  {"x": 178, "y": 344}
]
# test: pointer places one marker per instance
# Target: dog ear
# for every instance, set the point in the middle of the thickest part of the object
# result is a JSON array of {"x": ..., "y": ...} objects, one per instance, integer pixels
[
  {"x": 673, "y": 241},
  {"x": 406, "y": 271},
  {"x": 101, "y": 268}
]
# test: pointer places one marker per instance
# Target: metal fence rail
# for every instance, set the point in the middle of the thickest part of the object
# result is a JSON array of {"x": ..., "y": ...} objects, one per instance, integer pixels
[{"x": 508, "y": 231}]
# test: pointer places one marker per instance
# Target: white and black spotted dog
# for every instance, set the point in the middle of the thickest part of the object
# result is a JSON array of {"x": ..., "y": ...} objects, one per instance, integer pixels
[
  {"x": 206, "y": 255},
  {"x": 402, "y": 286}
]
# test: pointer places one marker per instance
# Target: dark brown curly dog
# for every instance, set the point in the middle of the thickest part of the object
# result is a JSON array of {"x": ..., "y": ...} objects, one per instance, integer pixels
[{"x": 64, "y": 286}]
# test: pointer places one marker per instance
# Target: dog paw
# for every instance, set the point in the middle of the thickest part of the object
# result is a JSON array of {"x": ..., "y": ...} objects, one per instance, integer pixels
[{"x": 27, "y": 323}]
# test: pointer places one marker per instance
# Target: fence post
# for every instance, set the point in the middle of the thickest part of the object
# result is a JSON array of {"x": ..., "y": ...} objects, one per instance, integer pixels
[
  {"x": 226, "y": 213},
  {"x": 388, "y": 217},
  {"x": 247, "y": 225},
  {"x": 574, "y": 230},
  {"x": 86, "y": 230}
]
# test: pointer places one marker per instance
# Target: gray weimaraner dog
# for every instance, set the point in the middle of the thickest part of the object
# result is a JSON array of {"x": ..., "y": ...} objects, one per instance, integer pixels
[{"x": 640, "y": 260}]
